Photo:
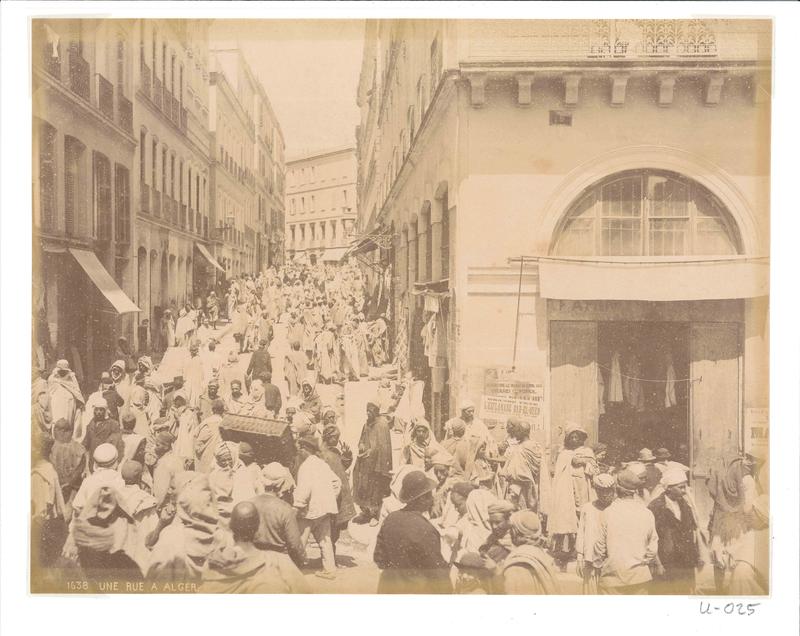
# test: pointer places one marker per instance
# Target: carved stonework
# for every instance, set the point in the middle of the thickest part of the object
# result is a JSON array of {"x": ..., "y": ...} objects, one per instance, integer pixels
[
  {"x": 524, "y": 88},
  {"x": 477, "y": 86},
  {"x": 666, "y": 88},
  {"x": 619, "y": 82},
  {"x": 571, "y": 89}
]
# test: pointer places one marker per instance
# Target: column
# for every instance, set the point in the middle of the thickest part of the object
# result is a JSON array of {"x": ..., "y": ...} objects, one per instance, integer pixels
[
  {"x": 436, "y": 239},
  {"x": 412, "y": 255},
  {"x": 423, "y": 227}
]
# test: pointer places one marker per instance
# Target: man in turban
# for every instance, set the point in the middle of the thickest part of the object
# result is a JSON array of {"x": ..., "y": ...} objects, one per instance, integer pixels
[
  {"x": 102, "y": 430},
  {"x": 474, "y": 427},
  {"x": 66, "y": 398},
  {"x": 527, "y": 570},
  {"x": 521, "y": 471}
]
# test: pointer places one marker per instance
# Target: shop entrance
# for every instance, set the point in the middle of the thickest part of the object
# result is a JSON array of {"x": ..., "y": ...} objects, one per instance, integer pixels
[{"x": 643, "y": 388}]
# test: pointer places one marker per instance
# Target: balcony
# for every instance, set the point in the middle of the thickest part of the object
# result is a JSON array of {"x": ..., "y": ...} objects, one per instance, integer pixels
[
  {"x": 144, "y": 197},
  {"x": 156, "y": 203},
  {"x": 157, "y": 92},
  {"x": 105, "y": 96},
  {"x": 78, "y": 75},
  {"x": 51, "y": 63},
  {"x": 167, "y": 110},
  {"x": 125, "y": 113},
  {"x": 183, "y": 216},
  {"x": 574, "y": 40},
  {"x": 146, "y": 79}
]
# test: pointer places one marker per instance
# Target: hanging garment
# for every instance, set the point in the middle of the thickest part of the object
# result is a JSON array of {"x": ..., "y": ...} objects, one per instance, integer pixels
[
  {"x": 632, "y": 385},
  {"x": 601, "y": 391},
  {"x": 615, "y": 394},
  {"x": 669, "y": 393},
  {"x": 428, "y": 334}
]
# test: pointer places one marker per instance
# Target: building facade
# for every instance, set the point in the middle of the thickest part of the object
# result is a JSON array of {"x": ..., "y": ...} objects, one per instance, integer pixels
[
  {"x": 581, "y": 209},
  {"x": 270, "y": 183},
  {"x": 83, "y": 164},
  {"x": 172, "y": 187},
  {"x": 233, "y": 176},
  {"x": 321, "y": 205}
]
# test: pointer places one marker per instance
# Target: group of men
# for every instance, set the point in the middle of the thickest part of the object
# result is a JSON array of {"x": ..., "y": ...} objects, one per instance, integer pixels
[{"x": 135, "y": 480}]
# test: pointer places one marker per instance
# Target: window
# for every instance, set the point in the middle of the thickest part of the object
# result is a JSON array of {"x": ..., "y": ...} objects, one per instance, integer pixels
[
  {"x": 142, "y": 155},
  {"x": 647, "y": 213},
  {"x": 180, "y": 85},
  {"x": 302, "y": 205},
  {"x": 121, "y": 66},
  {"x": 102, "y": 196},
  {"x": 73, "y": 204},
  {"x": 436, "y": 65},
  {"x": 47, "y": 176},
  {"x": 123, "y": 204},
  {"x": 411, "y": 123},
  {"x": 313, "y": 203},
  {"x": 164, "y": 64},
  {"x": 164, "y": 172},
  {"x": 422, "y": 103}
]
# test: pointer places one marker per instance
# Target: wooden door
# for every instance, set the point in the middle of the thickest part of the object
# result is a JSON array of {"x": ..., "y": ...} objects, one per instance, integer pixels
[
  {"x": 573, "y": 378},
  {"x": 715, "y": 402}
]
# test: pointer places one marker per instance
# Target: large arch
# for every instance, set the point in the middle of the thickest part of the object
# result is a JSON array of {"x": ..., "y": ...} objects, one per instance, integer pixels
[{"x": 704, "y": 172}]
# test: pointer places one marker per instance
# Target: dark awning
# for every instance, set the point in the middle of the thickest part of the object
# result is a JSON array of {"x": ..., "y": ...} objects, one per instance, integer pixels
[
  {"x": 204, "y": 251},
  {"x": 103, "y": 281}
]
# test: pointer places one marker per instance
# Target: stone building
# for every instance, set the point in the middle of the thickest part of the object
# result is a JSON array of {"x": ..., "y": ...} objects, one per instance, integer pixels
[
  {"x": 270, "y": 183},
  {"x": 83, "y": 157},
  {"x": 628, "y": 163},
  {"x": 234, "y": 207},
  {"x": 172, "y": 183},
  {"x": 321, "y": 204}
]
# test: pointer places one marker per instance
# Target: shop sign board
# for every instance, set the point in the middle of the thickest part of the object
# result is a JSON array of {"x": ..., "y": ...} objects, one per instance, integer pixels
[{"x": 508, "y": 394}]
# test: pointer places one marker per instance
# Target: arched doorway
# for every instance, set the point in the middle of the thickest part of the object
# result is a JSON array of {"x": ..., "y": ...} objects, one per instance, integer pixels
[{"x": 643, "y": 374}]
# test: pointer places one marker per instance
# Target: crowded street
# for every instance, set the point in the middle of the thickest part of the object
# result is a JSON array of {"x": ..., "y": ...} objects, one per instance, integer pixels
[{"x": 357, "y": 334}]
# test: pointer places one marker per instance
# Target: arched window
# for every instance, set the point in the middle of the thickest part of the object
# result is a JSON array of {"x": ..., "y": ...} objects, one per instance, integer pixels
[{"x": 647, "y": 213}]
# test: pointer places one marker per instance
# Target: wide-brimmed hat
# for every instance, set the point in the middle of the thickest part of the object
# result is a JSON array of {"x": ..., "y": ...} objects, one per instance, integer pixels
[
  {"x": 629, "y": 480},
  {"x": 646, "y": 455},
  {"x": 416, "y": 484}
]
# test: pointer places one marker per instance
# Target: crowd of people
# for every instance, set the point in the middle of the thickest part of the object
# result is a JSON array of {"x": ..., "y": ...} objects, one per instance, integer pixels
[{"x": 136, "y": 482}]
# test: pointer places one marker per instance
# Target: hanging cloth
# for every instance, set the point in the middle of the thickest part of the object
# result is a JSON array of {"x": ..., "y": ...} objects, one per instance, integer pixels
[
  {"x": 669, "y": 394},
  {"x": 601, "y": 390},
  {"x": 615, "y": 394},
  {"x": 632, "y": 386}
]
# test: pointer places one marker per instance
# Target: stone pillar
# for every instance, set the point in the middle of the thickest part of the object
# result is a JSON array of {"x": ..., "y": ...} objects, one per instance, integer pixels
[
  {"x": 412, "y": 256},
  {"x": 436, "y": 240},
  {"x": 423, "y": 227}
]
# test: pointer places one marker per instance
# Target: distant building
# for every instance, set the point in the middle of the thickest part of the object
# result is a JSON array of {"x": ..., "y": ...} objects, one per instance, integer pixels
[
  {"x": 172, "y": 181},
  {"x": 629, "y": 161},
  {"x": 83, "y": 160},
  {"x": 320, "y": 204}
]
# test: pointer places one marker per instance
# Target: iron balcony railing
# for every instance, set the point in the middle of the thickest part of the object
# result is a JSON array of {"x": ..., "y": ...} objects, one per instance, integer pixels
[
  {"x": 125, "y": 113},
  {"x": 105, "y": 96},
  {"x": 79, "y": 75}
]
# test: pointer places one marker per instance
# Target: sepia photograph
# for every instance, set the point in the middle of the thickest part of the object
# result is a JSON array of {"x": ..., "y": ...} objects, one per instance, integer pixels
[{"x": 400, "y": 306}]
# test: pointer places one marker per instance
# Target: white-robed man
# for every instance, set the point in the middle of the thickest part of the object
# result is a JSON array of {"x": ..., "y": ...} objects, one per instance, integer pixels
[
  {"x": 66, "y": 399},
  {"x": 315, "y": 498}
]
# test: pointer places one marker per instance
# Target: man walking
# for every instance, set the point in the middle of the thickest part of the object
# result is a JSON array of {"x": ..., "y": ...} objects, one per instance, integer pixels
[
  {"x": 627, "y": 544},
  {"x": 315, "y": 499},
  {"x": 372, "y": 473}
]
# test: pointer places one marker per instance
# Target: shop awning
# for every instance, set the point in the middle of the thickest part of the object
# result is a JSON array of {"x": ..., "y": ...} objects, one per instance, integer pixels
[
  {"x": 207, "y": 255},
  {"x": 361, "y": 247},
  {"x": 103, "y": 280},
  {"x": 334, "y": 254},
  {"x": 634, "y": 279}
]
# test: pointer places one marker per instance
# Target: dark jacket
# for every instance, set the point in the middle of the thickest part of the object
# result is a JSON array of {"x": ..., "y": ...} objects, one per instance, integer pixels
[
  {"x": 278, "y": 529},
  {"x": 408, "y": 552},
  {"x": 677, "y": 548},
  {"x": 260, "y": 362},
  {"x": 106, "y": 431},
  {"x": 272, "y": 398}
]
